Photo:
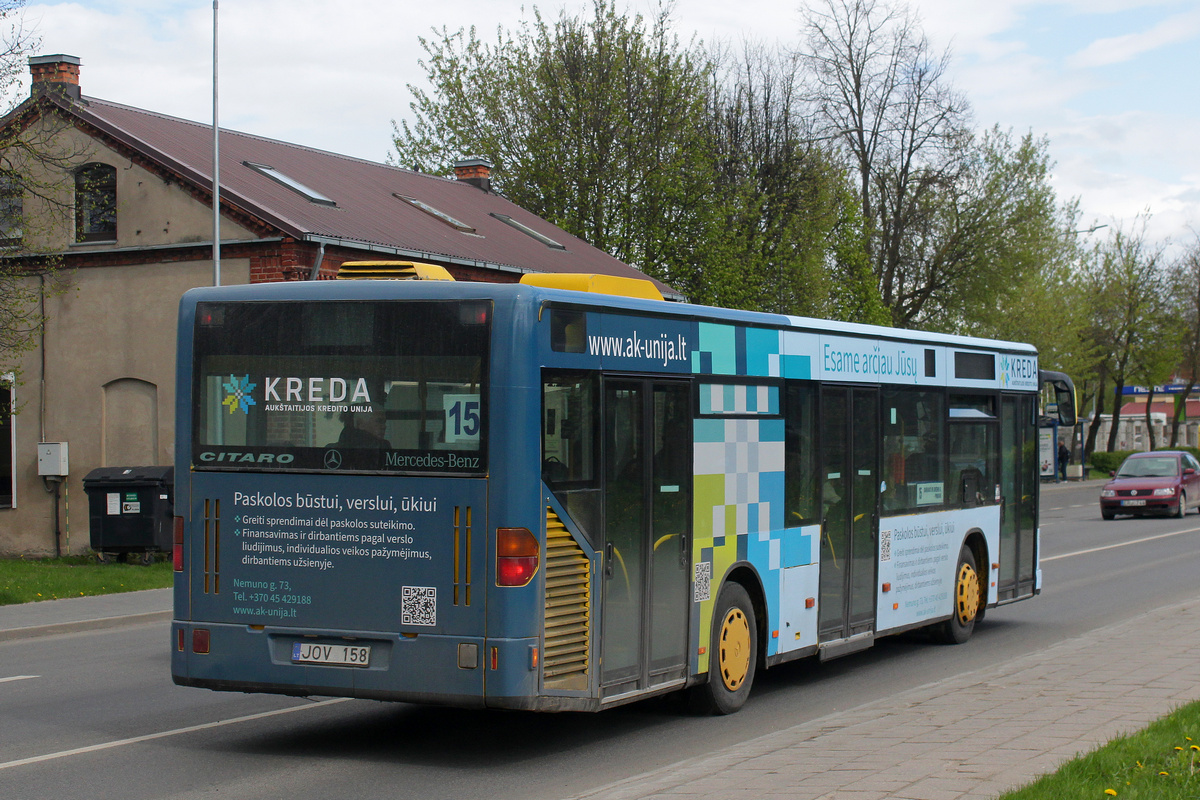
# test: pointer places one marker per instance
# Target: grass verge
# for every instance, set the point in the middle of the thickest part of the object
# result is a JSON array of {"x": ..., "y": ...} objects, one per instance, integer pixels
[
  {"x": 1161, "y": 762},
  {"x": 30, "y": 580}
]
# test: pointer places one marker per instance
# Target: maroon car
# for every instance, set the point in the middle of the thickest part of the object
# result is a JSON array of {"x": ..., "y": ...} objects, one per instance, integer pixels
[{"x": 1161, "y": 481}]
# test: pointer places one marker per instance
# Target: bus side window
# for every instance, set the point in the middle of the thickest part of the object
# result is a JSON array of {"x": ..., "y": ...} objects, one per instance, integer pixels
[
  {"x": 568, "y": 330},
  {"x": 801, "y": 489},
  {"x": 914, "y": 429},
  {"x": 570, "y": 447}
]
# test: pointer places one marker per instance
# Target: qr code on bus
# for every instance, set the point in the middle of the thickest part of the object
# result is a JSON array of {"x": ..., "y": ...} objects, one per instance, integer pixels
[
  {"x": 885, "y": 545},
  {"x": 418, "y": 605},
  {"x": 702, "y": 585}
]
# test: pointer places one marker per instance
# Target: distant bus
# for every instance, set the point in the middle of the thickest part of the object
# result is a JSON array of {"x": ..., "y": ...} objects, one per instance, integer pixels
[{"x": 534, "y": 496}]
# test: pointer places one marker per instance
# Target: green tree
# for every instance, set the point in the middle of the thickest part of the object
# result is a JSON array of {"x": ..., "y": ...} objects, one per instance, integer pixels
[
  {"x": 696, "y": 168},
  {"x": 1184, "y": 297},
  {"x": 596, "y": 124},
  {"x": 1126, "y": 278},
  {"x": 790, "y": 222}
]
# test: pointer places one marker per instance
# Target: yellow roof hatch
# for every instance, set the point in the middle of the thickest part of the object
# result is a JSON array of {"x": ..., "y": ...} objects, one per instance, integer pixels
[
  {"x": 596, "y": 284},
  {"x": 392, "y": 271}
]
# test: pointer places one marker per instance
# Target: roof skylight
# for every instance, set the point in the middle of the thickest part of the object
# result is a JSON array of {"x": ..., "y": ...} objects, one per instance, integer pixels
[
  {"x": 525, "y": 229},
  {"x": 296, "y": 186},
  {"x": 441, "y": 216}
]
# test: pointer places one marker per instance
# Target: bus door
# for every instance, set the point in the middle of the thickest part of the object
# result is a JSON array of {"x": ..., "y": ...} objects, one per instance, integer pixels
[
  {"x": 647, "y": 549},
  {"x": 1019, "y": 480},
  {"x": 850, "y": 513}
]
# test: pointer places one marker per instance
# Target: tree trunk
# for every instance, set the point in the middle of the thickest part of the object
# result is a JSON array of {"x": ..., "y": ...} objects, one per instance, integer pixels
[
  {"x": 1180, "y": 411},
  {"x": 1118, "y": 393},
  {"x": 1149, "y": 426},
  {"x": 1094, "y": 427}
]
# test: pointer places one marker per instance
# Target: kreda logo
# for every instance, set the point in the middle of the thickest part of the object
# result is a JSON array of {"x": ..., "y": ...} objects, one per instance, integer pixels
[{"x": 237, "y": 394}]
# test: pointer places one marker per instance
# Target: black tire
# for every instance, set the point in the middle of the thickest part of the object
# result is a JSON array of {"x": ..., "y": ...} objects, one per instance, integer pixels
[
  {"x": 733, "y": 654},
  {"x": 1182, "y": 510},
  {"x": 966, "y": 589},
  {"x": 1109, "y": 515}
]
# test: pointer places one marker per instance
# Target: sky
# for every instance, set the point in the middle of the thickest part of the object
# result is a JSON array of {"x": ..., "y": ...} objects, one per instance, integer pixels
[{"x": 1114, "y": 85}]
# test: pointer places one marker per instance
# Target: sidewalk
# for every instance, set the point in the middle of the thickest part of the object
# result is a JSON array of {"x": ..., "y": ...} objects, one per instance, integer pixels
[
  {"x": 51, "y": 617},
  {"x": 974, "y": 735}
]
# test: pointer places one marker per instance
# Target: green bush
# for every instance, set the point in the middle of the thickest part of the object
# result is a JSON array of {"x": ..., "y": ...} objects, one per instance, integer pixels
[{"x": 1108, "y": 462}]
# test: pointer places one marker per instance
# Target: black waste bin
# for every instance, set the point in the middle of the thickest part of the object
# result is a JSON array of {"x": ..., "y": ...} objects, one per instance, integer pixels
[{"x": 130, "y": 509}]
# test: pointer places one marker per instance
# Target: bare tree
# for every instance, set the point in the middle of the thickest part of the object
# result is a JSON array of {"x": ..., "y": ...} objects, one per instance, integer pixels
[
  {"x": 881, "y": 94},
  {"x": 38, "y": 183}
]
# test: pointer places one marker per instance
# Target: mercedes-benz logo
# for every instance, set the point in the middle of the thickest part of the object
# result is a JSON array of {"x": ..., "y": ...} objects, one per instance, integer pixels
[{"x": 333, "y": 459}]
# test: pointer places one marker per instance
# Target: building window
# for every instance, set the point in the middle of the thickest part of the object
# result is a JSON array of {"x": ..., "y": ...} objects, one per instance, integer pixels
[
  {"x": 12, "y": 210},
  {"x": 7, "y": 442},
  {"x": 96, "y": 203}
]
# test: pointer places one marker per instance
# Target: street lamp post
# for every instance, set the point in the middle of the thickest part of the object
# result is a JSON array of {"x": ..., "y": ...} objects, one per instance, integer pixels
[{"x": 216, "y": 171}]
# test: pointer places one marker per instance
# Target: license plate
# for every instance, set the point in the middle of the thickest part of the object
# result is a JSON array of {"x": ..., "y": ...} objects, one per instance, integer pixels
[
  {"x": 1133, "y": 502},
  {"x": 345, "y": 655}
]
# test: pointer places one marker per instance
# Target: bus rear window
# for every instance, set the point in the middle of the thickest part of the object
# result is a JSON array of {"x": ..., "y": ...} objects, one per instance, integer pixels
[{"x": 341, "y": 386}]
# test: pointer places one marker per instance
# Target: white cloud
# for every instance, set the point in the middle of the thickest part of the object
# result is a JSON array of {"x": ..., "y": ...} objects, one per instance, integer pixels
[{"x": 1119, "y": 49}]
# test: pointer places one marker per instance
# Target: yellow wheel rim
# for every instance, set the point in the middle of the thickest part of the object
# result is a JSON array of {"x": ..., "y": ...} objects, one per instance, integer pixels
[
  {"x": 966, "y": 592},
  {"x": 734, "y": 651}
]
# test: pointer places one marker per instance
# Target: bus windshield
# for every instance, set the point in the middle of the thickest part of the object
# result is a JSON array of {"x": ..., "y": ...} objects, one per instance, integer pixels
[{"x": 379, "y": 386}]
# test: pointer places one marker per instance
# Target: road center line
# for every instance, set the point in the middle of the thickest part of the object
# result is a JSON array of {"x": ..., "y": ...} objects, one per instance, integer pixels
[
  {"x": 18, "y": 678},
  {"x": 164, "y": 734},
  {"x": 1114, "y": 546}
]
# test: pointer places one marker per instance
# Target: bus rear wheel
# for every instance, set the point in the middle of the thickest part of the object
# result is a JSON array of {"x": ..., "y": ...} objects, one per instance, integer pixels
[
  {"x": 733, "y": 654},
  {"x": 965, "y": 613}
]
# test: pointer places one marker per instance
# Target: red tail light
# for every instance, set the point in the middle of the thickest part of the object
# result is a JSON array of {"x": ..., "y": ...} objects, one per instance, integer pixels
[
  {"x": 517, "y": 555},
  {"x": 201, "y": 641},
  {"x": 177, "y": 550}
]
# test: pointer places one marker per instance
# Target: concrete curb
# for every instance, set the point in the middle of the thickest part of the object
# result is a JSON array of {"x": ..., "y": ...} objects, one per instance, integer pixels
[{"x": 53, "y": 629}]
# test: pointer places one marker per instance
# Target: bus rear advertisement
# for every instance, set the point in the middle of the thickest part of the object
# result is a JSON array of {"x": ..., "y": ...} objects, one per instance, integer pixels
[{"x": 521, "y": 496}]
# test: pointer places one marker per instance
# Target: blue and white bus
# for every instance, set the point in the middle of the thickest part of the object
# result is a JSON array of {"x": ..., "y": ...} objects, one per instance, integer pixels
[{"x": 537, "y": 496}]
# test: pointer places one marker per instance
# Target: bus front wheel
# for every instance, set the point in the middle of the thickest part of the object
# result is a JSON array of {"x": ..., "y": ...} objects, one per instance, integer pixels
[
  {"x": 733, "y": 654},
  {"x": 965, "y": 613}
]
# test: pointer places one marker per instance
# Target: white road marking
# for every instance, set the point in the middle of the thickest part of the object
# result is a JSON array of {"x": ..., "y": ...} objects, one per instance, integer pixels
[
  {"x": 18, "y": 678},
  {"x": 1121, "y": 544},
  {"x": 163, "y": 734}
]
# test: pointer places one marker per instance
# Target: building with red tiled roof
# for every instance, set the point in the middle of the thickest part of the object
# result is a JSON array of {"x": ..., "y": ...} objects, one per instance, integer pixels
[{"x": 128, "y": 217}]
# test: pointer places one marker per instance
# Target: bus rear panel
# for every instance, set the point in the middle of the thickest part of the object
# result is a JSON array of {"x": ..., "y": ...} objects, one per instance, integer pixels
[{"x": 333, "y": 530}]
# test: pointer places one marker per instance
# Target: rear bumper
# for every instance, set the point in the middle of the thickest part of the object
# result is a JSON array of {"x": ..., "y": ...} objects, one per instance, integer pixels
[{"x": 440, "y": 669}]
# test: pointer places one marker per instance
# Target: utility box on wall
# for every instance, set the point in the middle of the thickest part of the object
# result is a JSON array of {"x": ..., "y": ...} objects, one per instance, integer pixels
[{"x": 52, "y": 459}]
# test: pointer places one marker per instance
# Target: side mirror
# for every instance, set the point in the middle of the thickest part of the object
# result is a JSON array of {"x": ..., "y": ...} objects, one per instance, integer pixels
[
  {"x": 1112, "y": 473},
  {"x": 1189, "y": 471},
  {"x": 1064, "y": 396}
]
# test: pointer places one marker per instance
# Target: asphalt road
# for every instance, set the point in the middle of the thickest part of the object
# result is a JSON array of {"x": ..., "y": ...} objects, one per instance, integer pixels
[{"x": 102, "y": 718}]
